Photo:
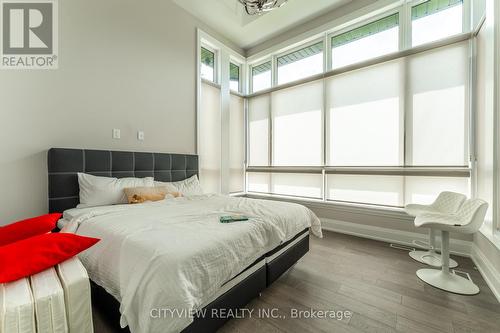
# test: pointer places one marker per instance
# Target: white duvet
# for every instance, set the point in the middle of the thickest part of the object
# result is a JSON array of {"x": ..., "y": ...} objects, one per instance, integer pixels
[{"x": 166, "y": 259}]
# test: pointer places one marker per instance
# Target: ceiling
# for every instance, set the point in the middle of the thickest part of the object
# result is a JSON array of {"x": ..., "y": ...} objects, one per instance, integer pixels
[{"x": 228, "y": 18}]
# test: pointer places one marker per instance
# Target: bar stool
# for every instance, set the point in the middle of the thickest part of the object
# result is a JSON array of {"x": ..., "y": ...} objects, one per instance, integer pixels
[
  {"x": 467, "y": 220},
  {"x": 446, "y": 203}
]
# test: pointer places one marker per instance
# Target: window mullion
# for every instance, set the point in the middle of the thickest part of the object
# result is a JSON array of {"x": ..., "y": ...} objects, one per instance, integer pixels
[{"x": 274, "y": 71}]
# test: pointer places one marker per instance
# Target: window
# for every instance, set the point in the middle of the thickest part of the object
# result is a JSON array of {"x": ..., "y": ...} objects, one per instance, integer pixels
[
  {"x": 261, "y": 76},
  {"x": 411, "y": 111},
  {"x": 290, "y": 184},
  {"x": 368, "y": 189},
  {"x": 365, "y": 116},
  {"x": 236, "y": 144},
  {"x": 389, "y": 133},
  {"x": 210, "y": 138},
  {"x": 366, "y": 42},
  {"x": 436, "y": 19},
  {"x": 437, "y": 82},
  {"x": 258, "y": 131},
  {"x": 207, "y": 65},
  {"x": 297, "y": 125},
  {"x": 424, "y": 190},
  {"x": 234, "y": 77},
  {"x": 392, "y": 190},
  {"x": 302, "y": 63}
]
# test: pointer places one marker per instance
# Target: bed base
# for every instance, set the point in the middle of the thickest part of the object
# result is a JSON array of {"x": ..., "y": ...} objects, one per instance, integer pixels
[{"x": 235, "y": 298}]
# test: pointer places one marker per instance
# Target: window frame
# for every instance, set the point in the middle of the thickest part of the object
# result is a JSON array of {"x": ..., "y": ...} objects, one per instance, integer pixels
[
  {"x": 216, "y": 53},
  {"x": 240, "y": 75},
  {"x": 297, "y": 48},
  {"x": 250, "y": 74},
  {"x": 466, "y": 19},
  {"x": 384, "y": 14},
  {"x": 403, "y": 9}
]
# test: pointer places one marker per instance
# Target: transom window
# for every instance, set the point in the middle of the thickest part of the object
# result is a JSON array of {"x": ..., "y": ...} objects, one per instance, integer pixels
[
  {"x": 207, "y": 65},
  {"x": 369, "y": 41},
  {"x": 302, "y": 63},
  {"x": 436, "y": 19},
  {"x": 234, "y": 77},
  {"x": 261, "y": 76}
]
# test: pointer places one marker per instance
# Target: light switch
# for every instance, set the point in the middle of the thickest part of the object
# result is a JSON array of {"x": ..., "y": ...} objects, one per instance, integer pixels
[
  {"x": 116, "y": 133},
  {"x": 140, "y": 135}
]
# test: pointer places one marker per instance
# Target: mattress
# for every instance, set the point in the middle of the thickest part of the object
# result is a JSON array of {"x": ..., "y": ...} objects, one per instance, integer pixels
[
  {"x": 17, "y": 310},
  {"x": 75, "y": 283},
  {"x": 272, "y": 255},
  {"x": 234, "y": 281},
  {"x": 50, "y": 312}
]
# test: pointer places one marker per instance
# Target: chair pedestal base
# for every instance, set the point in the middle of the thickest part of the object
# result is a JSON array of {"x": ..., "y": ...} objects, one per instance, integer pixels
[
  {"x": 430, "y": 258},
  {"x": 448, "y": 281}
]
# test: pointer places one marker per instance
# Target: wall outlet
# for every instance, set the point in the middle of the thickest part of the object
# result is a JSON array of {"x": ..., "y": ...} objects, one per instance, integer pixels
[
  {"x": 140, "y": 135},
  {"x": 116, "y": 133}
]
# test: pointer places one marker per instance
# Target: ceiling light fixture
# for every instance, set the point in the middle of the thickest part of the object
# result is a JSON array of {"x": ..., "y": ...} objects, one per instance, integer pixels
[{"x": 259, "y": 7}]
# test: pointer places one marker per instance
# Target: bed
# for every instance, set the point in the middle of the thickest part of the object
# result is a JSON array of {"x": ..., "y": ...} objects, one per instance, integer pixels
[{"x": 173, "y": 257}]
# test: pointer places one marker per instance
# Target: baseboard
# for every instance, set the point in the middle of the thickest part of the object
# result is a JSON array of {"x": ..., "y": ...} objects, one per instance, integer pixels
[
  {"x": 457, "y": 247},
  {"x": 487, "y": 270}
]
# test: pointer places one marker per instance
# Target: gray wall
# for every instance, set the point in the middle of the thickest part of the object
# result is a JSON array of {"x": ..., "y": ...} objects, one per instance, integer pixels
[{"x": 123, "y": 64}]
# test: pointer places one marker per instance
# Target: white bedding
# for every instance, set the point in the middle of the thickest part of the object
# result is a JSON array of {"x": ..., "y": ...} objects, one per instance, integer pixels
[{"x": 175, "y": 254}]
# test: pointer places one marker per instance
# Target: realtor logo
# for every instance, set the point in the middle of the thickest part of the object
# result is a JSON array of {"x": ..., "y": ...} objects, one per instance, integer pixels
[{"x": 29, "y": 34}]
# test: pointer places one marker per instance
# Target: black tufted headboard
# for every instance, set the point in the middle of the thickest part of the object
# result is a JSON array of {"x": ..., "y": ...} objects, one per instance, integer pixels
[{"x": 64, "y": 164}]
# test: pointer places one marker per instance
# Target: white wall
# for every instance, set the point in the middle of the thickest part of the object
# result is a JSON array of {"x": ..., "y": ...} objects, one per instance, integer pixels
[
  {"x": 486, "y": 249},
  {"x": 485, "y": 110},
  {"x": 123, "y": 64}
]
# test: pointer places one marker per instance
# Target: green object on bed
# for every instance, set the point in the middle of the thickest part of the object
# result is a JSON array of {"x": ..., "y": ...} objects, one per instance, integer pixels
[{"x": 233, "y": 218}]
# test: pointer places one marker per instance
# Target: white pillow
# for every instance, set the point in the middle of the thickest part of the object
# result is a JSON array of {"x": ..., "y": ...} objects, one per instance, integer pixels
[
  {"x": 187, "y": 187},
  {"x": 102, "y": 191}
]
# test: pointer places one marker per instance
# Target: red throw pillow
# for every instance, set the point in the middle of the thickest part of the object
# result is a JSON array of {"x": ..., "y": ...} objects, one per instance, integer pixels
[
  {"x": 28, "y": 228},
  {"x": 36, "y": 254}
]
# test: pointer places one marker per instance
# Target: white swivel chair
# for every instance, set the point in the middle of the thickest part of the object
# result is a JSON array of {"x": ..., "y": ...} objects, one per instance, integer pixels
[
  {"x": 445, "y": 203},
  {"x": 467, "y": 220}
]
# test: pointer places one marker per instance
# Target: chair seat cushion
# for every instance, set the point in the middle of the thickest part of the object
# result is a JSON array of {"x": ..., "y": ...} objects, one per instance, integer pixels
[{"x": 438, "y": 220}]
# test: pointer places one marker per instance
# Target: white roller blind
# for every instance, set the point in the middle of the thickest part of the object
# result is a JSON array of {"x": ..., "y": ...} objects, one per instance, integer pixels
[
  {"x": 259, "y": 182},
  {"x": 297, "y": 184},
  {"x": 365, "y": 116},
  {"x": 297, "y": 125},
  {"x": 209, "y": 123},
  {"x": 258, "y": 130},
  {"x": 289, "y": 184},
  {"x": 424, "y": 190},
  {"x": 378, "y": 190},
  {"x": 438, "y": 106},
  {"x": 236, "y": 144}
]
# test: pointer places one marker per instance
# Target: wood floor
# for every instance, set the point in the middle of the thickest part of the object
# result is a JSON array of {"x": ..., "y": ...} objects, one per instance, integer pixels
[{"x": 373, "y": 282}]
